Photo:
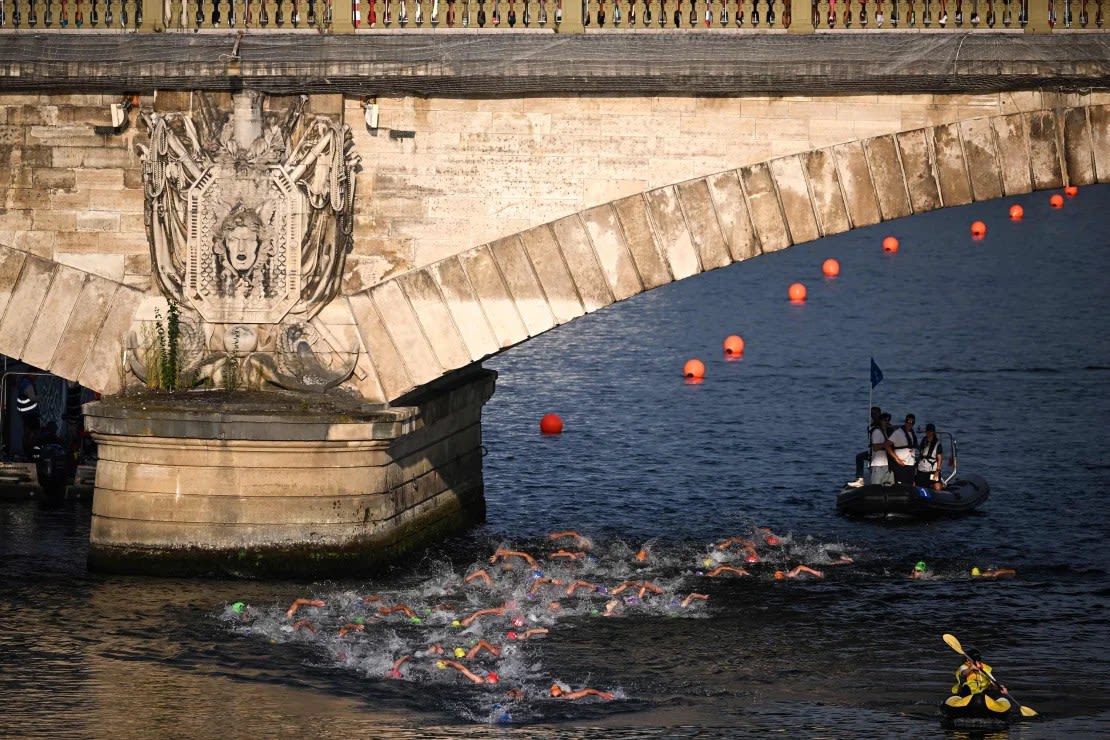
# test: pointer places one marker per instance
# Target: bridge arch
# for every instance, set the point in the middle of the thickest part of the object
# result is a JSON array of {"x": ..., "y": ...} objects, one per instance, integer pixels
[{"x": 432, "y": 321}]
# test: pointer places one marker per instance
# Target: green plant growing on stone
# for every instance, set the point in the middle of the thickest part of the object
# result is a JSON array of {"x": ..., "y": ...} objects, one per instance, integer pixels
[
  {"x": 231, "y": 370},
  {"x": 163, "y": 361}
]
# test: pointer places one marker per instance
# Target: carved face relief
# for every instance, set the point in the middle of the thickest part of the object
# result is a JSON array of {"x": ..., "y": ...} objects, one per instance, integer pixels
[{"x": 242, "y": 241}]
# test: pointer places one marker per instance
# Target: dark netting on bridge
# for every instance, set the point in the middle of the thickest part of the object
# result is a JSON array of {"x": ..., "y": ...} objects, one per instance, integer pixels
[{"x": 507, "y": 64}]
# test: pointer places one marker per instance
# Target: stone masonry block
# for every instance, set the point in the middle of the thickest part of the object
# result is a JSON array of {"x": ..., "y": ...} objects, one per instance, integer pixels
[
  {"x": 732, "y": 213},
  {"x": 52, "y": 319},
  {"x": 824, "y": 186},
  {"x": 1078, "y": 157},
  {"x": 523, "y": 285},
  {"x": 916, "y": 153},
  {"x": 84, "y": 324},
  {"x": 701, "y": 219},
  {"x": 24, "y": 306},
  {"x": 1044, "y": 154},
  {"x": 497, "y": 304},
  {"x": 980, "y": 147},
  {"x": 465, "y": 307},
  {"x": 582, "y": 262},
  {"x": 890, "y": 183},
  {"x": 435, "y": 320},
  {"x": 952, "y": 172},
  {"x": 612, "y": 252},
  {"x": 797, "y": 205},
  {"x": 551, "y": 270},
  {"x": 101, "y": 370},
  {"x": 11, "y": 265},
  {"x": 632, "y": 212},
  {"x": 857, "y": 184},
  {"x": 1013, "y": 153},
  {"x": 764, "y": 206},
  {"x": 1100, "y": 141},
  {"x": 670, "y": 229},
  {"x": 392, "y": 374},
  {"x": 400, "y": 321}
]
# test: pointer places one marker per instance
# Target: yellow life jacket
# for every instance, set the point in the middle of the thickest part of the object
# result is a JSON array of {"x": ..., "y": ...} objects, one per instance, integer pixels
[{"x": 976, "y": 681}]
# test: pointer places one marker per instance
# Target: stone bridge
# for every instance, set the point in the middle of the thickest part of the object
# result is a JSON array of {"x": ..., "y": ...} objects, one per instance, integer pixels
[{"x": 495, "y": 197}]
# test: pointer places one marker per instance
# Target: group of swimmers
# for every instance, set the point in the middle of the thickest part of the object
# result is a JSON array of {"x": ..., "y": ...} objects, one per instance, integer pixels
[{"x": 477, "y": 624}]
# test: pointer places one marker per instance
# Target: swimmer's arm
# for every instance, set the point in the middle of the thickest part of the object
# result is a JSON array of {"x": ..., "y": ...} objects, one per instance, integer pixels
[
  {"x": 579, "y": 584},
  {"x": 499, "y": 611},
  {"x": 299, "y": 603},
  {"x": 623, "y": 586},
  {"x": 475, "y": 678},
  {"x": 304, "y": 624},
  {"x": 532, "y": 632},
  {"x": 582, "y": 693},
  {"x": 351, "y": 627},
  {"x": 482, "y": 574},
  {"x": 493, "y": 650},
  {"x": 694, "y": 597}
]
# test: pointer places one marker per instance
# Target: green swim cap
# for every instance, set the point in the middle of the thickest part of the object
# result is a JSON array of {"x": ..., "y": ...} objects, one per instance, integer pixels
[
  {"x": 360, "y": 620},
  {"x": 920, "y": 567},
  {"x": 237, "y": 607}
]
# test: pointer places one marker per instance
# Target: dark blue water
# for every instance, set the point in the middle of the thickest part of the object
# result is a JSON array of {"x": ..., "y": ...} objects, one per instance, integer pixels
[{"x": 1002, "y": 343}]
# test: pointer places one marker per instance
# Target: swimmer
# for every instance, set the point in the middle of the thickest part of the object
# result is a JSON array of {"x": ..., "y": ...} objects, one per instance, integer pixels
[
  {"x": 726, "y": 569},
  {"x": 479, "y": 575},
  {"x": 514, "y": 695},
  {"x": 643, "y": 586},
  {"x": 387, "y": 610},
  {"x": 920, "y": 570},
  {"x": 995, "y": 573},
  {"x": 531, "y": 632},
  {"x": 304, "y": 624},
  {"x": 559, "y": 692},
  {"x": 351, "y": 627},
  {"x": 567, "y": 555},
  {"x": 481, "y": 645},
  {"x": 643, "y": 555},
  {"x": 583, "y": 542},
  {"x": 693, "y": 597},
  {"x": 496, "y": 612},
  {"x": 490, "y": 677},
  {"x": 540, "y": 582},
  {"x": 838, "y": 558},
  {"x": 503, "y": 555},
  {"x": 580, "y": 584},
  {"x": 797, "y": 571},
  {"x": 738, "y": 542},
  {"x": 302, "y": 602},
  {"x": 395, "y": 671},
  {"x": 768, "y": 536}
]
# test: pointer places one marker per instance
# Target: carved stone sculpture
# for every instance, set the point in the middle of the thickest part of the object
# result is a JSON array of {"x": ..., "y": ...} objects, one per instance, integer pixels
[{"x": 249, "y": 218}]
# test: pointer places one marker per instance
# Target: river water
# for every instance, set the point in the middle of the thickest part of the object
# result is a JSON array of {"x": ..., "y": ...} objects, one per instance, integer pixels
[{"x": 1002, "y": 342}]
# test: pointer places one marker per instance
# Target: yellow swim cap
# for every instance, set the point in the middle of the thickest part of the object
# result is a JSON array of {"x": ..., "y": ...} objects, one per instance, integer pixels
[
  {"x": 460, "y": 653},
  {"x": 975, "y": 573}
]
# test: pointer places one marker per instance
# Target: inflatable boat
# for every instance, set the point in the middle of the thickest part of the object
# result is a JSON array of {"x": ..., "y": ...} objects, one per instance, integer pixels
[
  {"x": 958, "y": 496},
  {"x": 977, "y": 712}
]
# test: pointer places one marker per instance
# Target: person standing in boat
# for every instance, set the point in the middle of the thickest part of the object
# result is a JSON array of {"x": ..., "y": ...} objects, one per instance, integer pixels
[
  {"x": 881, "y": 450},
  {"x": 930, "y": 458},
  {"x": 862, "y": 457},
  {"x": 904, "y": 440}
]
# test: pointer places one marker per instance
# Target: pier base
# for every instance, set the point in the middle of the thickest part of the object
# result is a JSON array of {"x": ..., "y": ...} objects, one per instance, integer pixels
[{"x": 279, "y": 485}]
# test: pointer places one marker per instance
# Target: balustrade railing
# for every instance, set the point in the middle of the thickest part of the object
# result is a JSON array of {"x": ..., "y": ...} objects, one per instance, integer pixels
[{"x": 587, "y": 15}]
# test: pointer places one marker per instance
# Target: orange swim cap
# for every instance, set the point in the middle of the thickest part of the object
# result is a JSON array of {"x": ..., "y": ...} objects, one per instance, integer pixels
[
  {"x": 556, "y": 690},
  {"x": 779, "y": 575}
]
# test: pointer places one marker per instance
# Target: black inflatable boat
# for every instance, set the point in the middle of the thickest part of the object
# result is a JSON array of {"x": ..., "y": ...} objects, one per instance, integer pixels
[{"x": 959, "y": 496}]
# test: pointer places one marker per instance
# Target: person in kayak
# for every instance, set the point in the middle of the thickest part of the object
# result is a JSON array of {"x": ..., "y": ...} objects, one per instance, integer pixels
[{"x": 971, "y": 676}]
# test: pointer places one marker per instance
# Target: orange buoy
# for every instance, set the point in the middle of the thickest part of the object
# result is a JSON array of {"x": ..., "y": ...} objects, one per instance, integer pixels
[
  {"x": 978, "y": 230},
  {"x": 551, "y": 424},
  {"x": 890, "y": 244},
  {"x": 1016, "y": 212},
  {"x": 830, "y": 267},
  {"x": 1056, "y": 201},
  {"x": 734, "y": 346},
  {"x": 797, "y": 293},
  {"x": 1071, "y": 191},
  {"x": 694, "y": 369}
]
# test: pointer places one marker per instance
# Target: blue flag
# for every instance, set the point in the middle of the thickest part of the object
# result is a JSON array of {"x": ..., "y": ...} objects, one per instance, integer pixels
[{"x": 876, "y": 374}]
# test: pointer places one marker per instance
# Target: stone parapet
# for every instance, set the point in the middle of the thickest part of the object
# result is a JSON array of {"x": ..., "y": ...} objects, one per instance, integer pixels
[{"x": 277, "y": 485}]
